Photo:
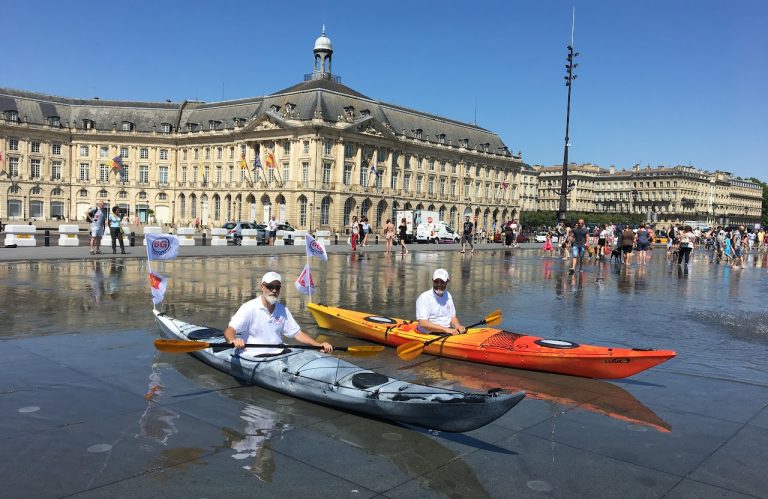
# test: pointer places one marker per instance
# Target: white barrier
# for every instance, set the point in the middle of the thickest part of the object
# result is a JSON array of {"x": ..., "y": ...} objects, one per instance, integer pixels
[
  {"x": 299, "y": 237},
  {"x": 150, "y": 230},
  {"x": 20, "y": 235},
  {"x": 186, "y": 236},
  {"x": 324, "y": 236},
  {"x": 68, "y": 235},
  {"x": 218, "y": 237},
  {"x": 249, "y": 237}
]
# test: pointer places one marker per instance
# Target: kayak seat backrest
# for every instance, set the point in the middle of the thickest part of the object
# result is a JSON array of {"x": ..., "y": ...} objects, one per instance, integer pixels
[
  {"x": 363, "y": 381},
  {"x": 205, "y": 334}
]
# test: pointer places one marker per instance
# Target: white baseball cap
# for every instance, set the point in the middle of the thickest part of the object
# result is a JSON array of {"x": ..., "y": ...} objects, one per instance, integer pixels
[
  {"x": 271, "y": 277},
  {"x": 440, "y": 274}
]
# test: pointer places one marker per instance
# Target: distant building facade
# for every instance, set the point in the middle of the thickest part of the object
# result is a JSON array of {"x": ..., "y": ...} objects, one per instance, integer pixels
[
  {"x": 327, "y": 152},
  {"x": 663, "y": 194}
]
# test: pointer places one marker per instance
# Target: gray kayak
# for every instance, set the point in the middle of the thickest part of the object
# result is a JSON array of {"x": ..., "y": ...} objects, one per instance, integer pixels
[{"x": 326, "y": 379}]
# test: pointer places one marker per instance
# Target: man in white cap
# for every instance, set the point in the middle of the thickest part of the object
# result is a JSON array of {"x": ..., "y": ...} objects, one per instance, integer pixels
[
  {"x": 263, "y": 320},
  {"x": 434, "y": 308}
]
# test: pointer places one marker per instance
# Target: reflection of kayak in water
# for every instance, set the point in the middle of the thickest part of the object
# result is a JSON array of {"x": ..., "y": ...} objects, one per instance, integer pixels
[
  {"x": 325, "y": 379},
  {"x": 591, "y": 395}
]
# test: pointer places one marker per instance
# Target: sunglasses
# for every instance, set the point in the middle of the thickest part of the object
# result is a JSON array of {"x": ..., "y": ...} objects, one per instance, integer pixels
[
  {"x": 273, "y": 287},
  {"x": 439, "y": 282}
]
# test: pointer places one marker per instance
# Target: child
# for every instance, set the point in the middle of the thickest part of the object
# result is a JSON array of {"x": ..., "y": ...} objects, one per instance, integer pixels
[{"x": 548, "y": 246}]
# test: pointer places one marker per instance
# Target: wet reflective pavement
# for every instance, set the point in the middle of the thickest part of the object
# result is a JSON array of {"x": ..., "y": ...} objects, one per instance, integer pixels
[{"x": 89, "y": 408}]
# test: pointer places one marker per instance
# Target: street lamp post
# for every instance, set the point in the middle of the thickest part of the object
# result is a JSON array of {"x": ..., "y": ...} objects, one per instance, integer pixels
[{"x": 565, "y": 187}]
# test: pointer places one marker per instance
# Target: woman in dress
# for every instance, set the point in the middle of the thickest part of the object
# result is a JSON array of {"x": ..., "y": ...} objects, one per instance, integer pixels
[
  {"x": 403, "y": 229},
  {"x": 547, "y": 248},
  {"x": 389, "y": 235}
]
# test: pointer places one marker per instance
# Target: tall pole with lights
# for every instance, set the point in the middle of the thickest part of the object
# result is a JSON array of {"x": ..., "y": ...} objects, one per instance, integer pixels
[{"x": 565, "y": 187}]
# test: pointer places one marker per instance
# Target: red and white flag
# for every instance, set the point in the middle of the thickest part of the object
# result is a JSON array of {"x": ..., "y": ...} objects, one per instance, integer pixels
[
  {"x": 157, "y": 285},
  {"x": 305, "y": 284},
  {"x": 316, "y": 248}
]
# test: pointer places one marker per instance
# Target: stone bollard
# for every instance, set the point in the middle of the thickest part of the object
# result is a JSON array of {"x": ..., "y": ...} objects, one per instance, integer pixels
[
  {"x": 377, "y": 239},
  {"x": 47, "y": 237},
  {"x": 204, "y": 242},
  {"x": 336, "y": 239}
]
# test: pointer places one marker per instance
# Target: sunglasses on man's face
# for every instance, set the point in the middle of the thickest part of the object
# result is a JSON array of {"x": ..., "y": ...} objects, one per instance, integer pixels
[{"x": 273, "y": 287}]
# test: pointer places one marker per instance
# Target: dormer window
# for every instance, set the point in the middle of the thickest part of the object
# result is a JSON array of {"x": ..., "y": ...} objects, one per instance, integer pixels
[
  {"x": 127, "y": 126},
  {"x": 12, "y": 115},
  {"x": 486, "y": 147},
  {"x": 166, "y": 127},
  {"x": 274, "y": 108},
  {"x": 464, "y": 143},
  {"x": 290, "y": 107},
  {"x": 213, "y": 124},
  {"x": 193, "y": 127},
  {"x": 54, "y": 121},
  {"x": 239, "y": 121},
  {"x": 418, "y": 133},
  {"x": 441, "y": 138},
  {"x": 89, "y": 124},
  {"x": 365, "y": 113}
]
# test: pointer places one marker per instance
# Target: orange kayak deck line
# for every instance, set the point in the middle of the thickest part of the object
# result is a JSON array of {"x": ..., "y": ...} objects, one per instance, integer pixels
[{"x": 493, "y": 346}]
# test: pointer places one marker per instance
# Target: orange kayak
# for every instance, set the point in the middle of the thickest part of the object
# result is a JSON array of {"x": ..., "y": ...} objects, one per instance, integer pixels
[{"x": 488, "y": 345}]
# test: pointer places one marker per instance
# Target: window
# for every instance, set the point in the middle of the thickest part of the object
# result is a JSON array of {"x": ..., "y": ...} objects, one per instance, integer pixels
[
  {"x": 326, "y": 173},
  {"x": 364, "y": 174},
  {"x": 34, "y": 168},
  {"x": 454, "y": 168},
  {"x": 127, "y": 126},
  {"x": 287, "y": 147},
  {"x": 163, "y": 154},
  {"x": 162, "y": 174},
  {"x": 286, "y": 172},
  {"x": 325, "y": 211},
  {"x": 194, "y": 173},
  {"x": 57, "y": 209},
  {"x": 302, "y": 212},
  {"x": 35, "y": 146},
  {"x": 166, "y": 127},
  {"x": 143, "y": 174},
  {"x": 349, "y": 150},
  {"x": 231, "y": 175},
  {"x": 35, "y": 208},
  {"x": 122, "y": 194},
  {"x": 218, "y": 174},
  {"x": 56, "y": 149},
  {"x": 327, "y": 147},
  {"x": 219, "y": 153},
  {"x": 182, "y": 205},
  {"x": 442, "y": 187},
  {"x": 207, "y": 174},
  {"x": 305, "y": 172},
  {"x": 184, "y": 155},
  {"x": 207, "y": 153},
  {"x": 232, "y": 152},
  {"x": 124, "y": 152},
  {"x": 393, "y": 180},
  {"x": 84, "y": 167},
  {"x": 453, "y": 187},
  {"x": 89, "y": 124},
  {"x": 418, "y": 133},
  {"x": 83, "y": 193},
  {"x": 347, "y": 174},
  {"x": 441, "y": 138},
  {"x": 419, "y": 181},
  {"x": 12, "y": 116},
  {"x": 103, "y": 173},
  {"x": 143, "y": 153},
  {"x": 56, "y": 170},
  {"x": 124, "y": 174},
  {"x": 407, "y": 182},
  {"x": 442, "y": 166},
  {"x": 142, "y": 195},
  {"x": 102, "y": 194},
  {"x": 162, "y": 196},
  {"x": 14, "y": 208},
  {"x": 84, "y": 150},
  {"x": 431, "y": 186},
  {"x": 431, "y": 165},
  {"x": 183, "y": 174},
  {"x": 305, "y": 147}
]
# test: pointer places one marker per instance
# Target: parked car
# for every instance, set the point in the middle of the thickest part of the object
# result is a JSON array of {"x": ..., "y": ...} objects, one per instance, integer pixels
[
  {"x": 235, "y": 231},
  {"x": 542, "y": 236}
]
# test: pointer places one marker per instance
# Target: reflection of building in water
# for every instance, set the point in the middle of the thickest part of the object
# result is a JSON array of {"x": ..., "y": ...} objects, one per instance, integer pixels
[{"x": 260, "y": 426}]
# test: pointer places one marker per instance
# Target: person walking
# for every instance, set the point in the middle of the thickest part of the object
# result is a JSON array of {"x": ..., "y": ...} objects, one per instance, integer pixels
[
  {"x": 116, "y": 229},
  {"x": 627, "y": 243},
  {"x": 687, "y": 243},
  {"x": 389, "y": 235},
  {"x": 272, "y": 230},
  {"x": 578, "y": 243},
  {"x": 96, "y": 216},
  {"x": 403, "y": 235},
  {"x": 466, "y": 235},
  {"x": 643, "y": 242},
  {"x": 354, "y": 228},
  {"x": 366, "y": 229}
]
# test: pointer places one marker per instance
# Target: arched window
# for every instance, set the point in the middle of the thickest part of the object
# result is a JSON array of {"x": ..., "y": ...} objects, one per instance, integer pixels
[
  {"x": 216, "y": 207},
  {"x": 142, "y": 195},
  {"x": 122, "y": 194},
  {"x": 349, "y": 206},
  {"x": 365, "y": 208},
  {"x": 182, "y": 205},
  {"x": 83, "y": 193},
  {"x": 162, "y": 196},
  {"x": 453, "y": 222},
  {"x": 36, "y": 191},
  {"x": 57, "y": 192},
  {"x": 302, "y": 211},
  {"x": 193, "y": 206},
  {"x": 442, "y": 213},
  {"x": 380, "y": 209},
  {"x": 15, "y": 189},
  {"x": 102, "y": 194},
  {"x": 325, "y": 211}
]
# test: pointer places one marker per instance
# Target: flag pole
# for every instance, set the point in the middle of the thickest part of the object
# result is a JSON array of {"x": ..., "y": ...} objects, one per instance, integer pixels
[{"x": 149, "y": 268}]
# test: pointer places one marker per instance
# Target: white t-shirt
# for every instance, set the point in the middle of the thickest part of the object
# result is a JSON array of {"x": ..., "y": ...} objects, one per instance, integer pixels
[
  {"x": 255, "y": 324},
  {"x": 436, "y": 309},
  {"x": 273, "y": 225}
]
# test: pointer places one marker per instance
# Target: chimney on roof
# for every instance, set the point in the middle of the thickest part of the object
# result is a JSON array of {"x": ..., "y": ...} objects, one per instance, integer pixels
[{"x": 612, "y": 170}]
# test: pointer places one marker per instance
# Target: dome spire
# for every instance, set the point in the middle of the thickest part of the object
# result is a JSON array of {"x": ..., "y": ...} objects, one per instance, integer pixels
[{"x": 323, "y": 54}]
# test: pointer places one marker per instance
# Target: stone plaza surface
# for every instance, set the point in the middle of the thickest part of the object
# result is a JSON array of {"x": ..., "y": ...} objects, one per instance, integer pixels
[{"x": 90, "y": 409}]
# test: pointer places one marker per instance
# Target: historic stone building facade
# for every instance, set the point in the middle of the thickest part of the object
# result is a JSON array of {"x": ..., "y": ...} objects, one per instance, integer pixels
[
  {"x": 326, "y": 152},
  {"x": 662, "y": 194}
]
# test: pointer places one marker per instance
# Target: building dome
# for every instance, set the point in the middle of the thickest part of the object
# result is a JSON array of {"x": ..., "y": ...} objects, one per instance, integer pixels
[{"x": 323, "y": 42}]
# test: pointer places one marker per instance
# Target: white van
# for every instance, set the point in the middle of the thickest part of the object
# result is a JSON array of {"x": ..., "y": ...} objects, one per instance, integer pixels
[{"x": 437, "y": 232}]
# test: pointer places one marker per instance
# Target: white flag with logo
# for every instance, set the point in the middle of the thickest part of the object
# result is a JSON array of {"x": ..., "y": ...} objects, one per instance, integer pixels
[
  {"x": 305, "y": 284},
  {"x": 316, "y": 248},
  {"x": 162, "y": 246}
]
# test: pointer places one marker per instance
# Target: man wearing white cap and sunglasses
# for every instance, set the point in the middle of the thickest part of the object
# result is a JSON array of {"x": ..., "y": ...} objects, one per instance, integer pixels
[
  {"x": 435, "y": 310},
  {"x": 263, "y": 320}
]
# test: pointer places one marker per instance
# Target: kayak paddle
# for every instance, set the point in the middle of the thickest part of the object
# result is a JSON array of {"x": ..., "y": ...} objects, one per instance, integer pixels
[
  {"x": 184, "y": 346},
  {"x": 412, "y": 349}
]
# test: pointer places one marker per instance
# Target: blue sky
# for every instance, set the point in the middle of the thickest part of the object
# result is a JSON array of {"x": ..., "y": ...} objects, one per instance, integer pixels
[{"x": 659, "y": 82}]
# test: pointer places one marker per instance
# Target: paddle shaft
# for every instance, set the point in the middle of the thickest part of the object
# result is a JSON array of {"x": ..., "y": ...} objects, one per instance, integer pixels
[
  {"x": 280, "y": 345},
  {"x": 444, "y": 336}
]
